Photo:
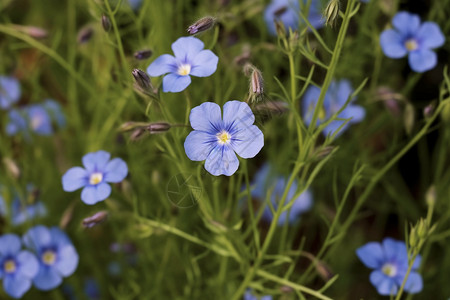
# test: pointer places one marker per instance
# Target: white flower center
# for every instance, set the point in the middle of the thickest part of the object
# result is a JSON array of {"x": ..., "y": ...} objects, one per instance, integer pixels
[
  {"x": 9, "y": 266},
  {"x": 95, "y": 178},
  {"x": 48, "y": 257},
  {"x": 223, "y": 137},
  {"x": 389, "y": 269},
  {"x": 184, "y": 70},
  {"x": 411, "y": 44},
  {"x": 36, "y": 121}
]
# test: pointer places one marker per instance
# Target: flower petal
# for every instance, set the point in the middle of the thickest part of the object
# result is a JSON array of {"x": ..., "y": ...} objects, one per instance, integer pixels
[
  {"x": 406, "y": 23},
  {"x": 116, "y": 170},
  {"x": 395, "y": 251},
  {"x": 392, "y": 44},
  {"x": 47, "y": 278},
  {"x": 355, "y": 112},
  {"x": 414, "y": 283},
  {"x": 17, "y": 285},
  {"x": 37, "y": 238},
  {"x": 9, "y": 244},
  {"x": 206, "y": 117},
  {"x": 67, "y": 260},
  {"x": 74, "y": 179},
  {"x": 11, "y": 88},
  {"x": 342, "y": 90},
  {"x": 237, "y": 113},
  {"x": 301, "y": 204},
  {"x": 204, "y": 64},
  {"x": 95, "y": 193},
  {"x": 96, "y": 161},
  {"x": 309, "y": 103},
  {"x": 247, "y": 141},
  {"x": 430, "y": 35},
  {"x": 166, "y": 63},
  {"x": 371, "y": 255},
  {"x": 222, "y": 160},
  {"x": 199, "y": 144},
  {"x": 175, "y": 83},
  {"x": 422, "y": 60},
  {"x": 29, "y": 265},
  {"x": 384, "y": 284},
  {"x": 186, "y": 48}
]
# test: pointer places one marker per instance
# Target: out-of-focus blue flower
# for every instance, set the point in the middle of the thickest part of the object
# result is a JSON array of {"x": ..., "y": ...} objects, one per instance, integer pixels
[
  {"x": 98, "y": 171},
  {"x": 55, "y": 111},
  {"x": 56, "y": 255},
  {"x": 92, "y": 289},
  {"x": 135, "y": 4},
  {"x": 190, "y": 59},
  {"x": 335, "y": 98},
  {"x": 266, "y": 181},
  {"x": 9, "y": 91},
  {"x": 17, "y": 123},
  {"x": 411, "y": 38},
  {"x": 3, "y": 208},
  {"x": 287, "y": 11},
  {"x": 27, "y": 209},
  {"x": 249, "y": 296},
  {"x": 17, "y": 268},
  {"x": 365, "y": 1},
  {"x": 216, "y": 139},
  {"x": 390, "y": 263}
]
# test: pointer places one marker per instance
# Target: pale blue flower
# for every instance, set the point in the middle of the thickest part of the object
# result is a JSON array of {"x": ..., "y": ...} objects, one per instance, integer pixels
[
  {"x": 9, "y": 91},
  {"x": 217, "y": 140},
  {"x": 249, "y": 296},
  {"x": 27, "y": 209},
  {"x": 98, "y": 171},
  {"x": 411, "y": 38},
  {"x": 57, "y": 256},
  {"x": 190, "y": 59},
  {"x": 390, "y": 263}
]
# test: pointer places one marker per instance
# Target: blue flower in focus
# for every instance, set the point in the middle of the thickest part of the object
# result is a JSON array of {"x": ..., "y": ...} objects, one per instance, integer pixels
[
  {"x": 411, "y": 38},
  {"x": 216, "y": 139},
  {"x": 335, "y": 98},
  {"x": 98, "y": 171},
  {"x": 56, "y": 255},
  {"x": 9, "y": 91},
  {"x": 249, "y": 296},
  {"x": 390, "y": 263},
  {"x": 287, "y": 11},
  {"x": 266, "y": 181},
  {"x": 27, "y": 209},
  {"x": 190, "y": 59},
  {"x": 17, "y": 268}
]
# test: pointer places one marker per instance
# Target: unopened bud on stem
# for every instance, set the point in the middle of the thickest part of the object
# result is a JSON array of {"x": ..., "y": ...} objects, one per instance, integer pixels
[
  {"x": 331, "y": 12},
  {"x": 106, "y": 23},
  {"x": 201, "y": 25}
]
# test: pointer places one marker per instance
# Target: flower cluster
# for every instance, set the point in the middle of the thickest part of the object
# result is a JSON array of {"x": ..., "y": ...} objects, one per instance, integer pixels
[{"x": 52, "y": 257}]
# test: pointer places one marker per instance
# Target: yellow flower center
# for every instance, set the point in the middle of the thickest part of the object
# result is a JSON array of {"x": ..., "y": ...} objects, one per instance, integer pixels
[
  {"x": 9, "y": 266},
  {"x": 389, "y": 269},
  {"x": 411, "y": 45},
  {"x": 184, "y": 70},
  {"x": 95, "y": 178},
  {"x": 48, "y": 257},
  {"x": 223, "y": 137}
]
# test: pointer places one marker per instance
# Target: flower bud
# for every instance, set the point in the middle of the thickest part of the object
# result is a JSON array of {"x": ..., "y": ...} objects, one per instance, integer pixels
[
  {"x": 33, "y": 31},
  {"x": 85, "y": 34},
  {"x": 280, "y": 29},
  {"x": 143, "y": 54},
  {"x": 201, "y": 25},
  {"x": 106, "y": 23},
  {"x": 428, "y": 111},
  {"x": 430, "y": 196},
  {"x": 408, "y": 118},
  {"x": 142, "y": 80},
  {"x": 256, "y": 88},
  {"x": 331, "y": 12},
  {"x": 12, "y": 167},
  {"x": 158, "y": 127},
  {"x": 94, "y": 220},
  {"x": 137, "y": 134}
]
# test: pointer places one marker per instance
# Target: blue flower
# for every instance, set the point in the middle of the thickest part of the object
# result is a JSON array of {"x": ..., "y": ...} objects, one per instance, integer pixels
[
  {"x": 411, "y": 38},
  {"x": 216, "y": 140},
  {"x": 267, "y": 182},
  {"x": 390, "y": 263},
  {"x": 190, "y": 59},
  {"x": 249, "y": 296},
  {"x": 17, "y": 268},
  {"x": 55, "y": 111},
  {"x": 287, "y": 12},
  {"x": 93, "y": 179},
  {"x": 135, "y": 4},
  {"x": 9, "y": 91},
  {"x": 335, "y": 98},
  {"x": 56, "y": 255},
  {"x": 27, "y": 209}
]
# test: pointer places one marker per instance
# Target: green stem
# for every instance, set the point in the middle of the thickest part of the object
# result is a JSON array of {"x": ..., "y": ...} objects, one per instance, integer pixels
[{"x": 400, "y": 291}]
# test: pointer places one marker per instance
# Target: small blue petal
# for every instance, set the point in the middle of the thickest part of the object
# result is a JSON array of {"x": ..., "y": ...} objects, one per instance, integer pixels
[
  {"x": 186, "y": 48},
  {"x": 204, "y": 64},
  {"x": 16, "y": 285},
  {"x": 222, "y": 160},
  {"x": 392, "y": 44},
  {"x": 237, "y": 113},
  {"x": 407, "y": 24},
  {"x": 74, "y": 179},
  {"x": 342, "y": 90},
  {"x": 206, "y": 117},
  {"x": 422, "y": 60},
  {"x": 371, "y": 255},
  {"x": 37, "y": 238},
  {"x": 199, "y": 144},
  {"x": 395, "y": 250},
  {"x": 384, "y": 284},
  {"x": 47, "y": 278},
  {"x": 414, "y": 283},
  {"x": 430, "y": 35},
  {"x": 29, "y": 265},
  {"x": 9, "y": 91},
  {"x": 95, "y": 193},
  {"x": 175, "y": 83},
  {"x": 96, "y": 161},
  {"x": 116, "y": 170},
  {"x": 9, "y": 244},
  {"x": 67, "y": 260},
  {"x": 164, "y": 64},
  {"x": 247, "y": 142},
  {"x": 309, "y": 103}
]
